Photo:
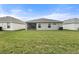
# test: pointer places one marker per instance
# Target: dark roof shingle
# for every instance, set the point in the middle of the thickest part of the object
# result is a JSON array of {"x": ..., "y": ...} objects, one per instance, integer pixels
[
  {"x": 10, "y": 19},
  {"x": 42, "y": 20},
  {"x": 71, "y": 21}
]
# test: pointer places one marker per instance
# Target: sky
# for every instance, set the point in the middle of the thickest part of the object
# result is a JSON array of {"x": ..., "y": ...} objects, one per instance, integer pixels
[{"x": 27, "y": 12}]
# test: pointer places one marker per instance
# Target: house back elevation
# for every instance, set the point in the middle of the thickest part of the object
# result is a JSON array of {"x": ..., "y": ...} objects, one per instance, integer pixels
[
  {"x": 71, "y": 24},
  {"x": 11, "y": 23},
  {"x": 44, "y": 24}
]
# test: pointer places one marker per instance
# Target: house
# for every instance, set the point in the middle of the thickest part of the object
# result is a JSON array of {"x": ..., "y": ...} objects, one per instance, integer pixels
[
  {"x": 71, "y": 24},
  {"x": 43, "y": 24},
  {"x": 11, "y": 23}
]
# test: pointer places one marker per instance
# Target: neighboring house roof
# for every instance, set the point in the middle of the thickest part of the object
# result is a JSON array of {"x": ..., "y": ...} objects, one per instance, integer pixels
[
  {"x": 42, "y": 20},
  {"x": 71, "y": 21},
  {"x": 10, "y": 20}
]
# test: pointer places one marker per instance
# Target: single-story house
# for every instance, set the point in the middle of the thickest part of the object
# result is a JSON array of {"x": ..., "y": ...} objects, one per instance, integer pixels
[
  {"x": 43, "y": 24},
  {"x": 11, "y": 23},
  {"x": 71, "y": 24}
]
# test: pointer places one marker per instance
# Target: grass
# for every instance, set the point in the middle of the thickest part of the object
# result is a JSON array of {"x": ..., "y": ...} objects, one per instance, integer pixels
[{"x": 43, "y": 42}]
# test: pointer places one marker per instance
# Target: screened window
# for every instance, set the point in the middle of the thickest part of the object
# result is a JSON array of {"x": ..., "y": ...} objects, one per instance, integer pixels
[
  {"x": 8, "y": 25},
  {"x": 39, "y": 25},
  {"x": 49, "y": 25}
]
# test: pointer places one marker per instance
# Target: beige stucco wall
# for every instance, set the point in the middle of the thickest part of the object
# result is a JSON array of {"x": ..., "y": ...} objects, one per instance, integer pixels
[
  {"x": 44, "y": 26},
  {"x": 71, "y": 26},
  {"x": 13, "y": 26},
  {"x": 16, "y": 26}
]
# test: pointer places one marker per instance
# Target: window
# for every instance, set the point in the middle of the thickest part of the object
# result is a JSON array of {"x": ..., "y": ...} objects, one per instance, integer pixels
[
  {"x": 49, "y": 25},
  {"x": 39, "y": 25},
  {"x": 8, "y": 25}
]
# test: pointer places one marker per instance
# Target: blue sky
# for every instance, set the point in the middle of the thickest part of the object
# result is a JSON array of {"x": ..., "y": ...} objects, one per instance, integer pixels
[{"x": 33, "y": 11}]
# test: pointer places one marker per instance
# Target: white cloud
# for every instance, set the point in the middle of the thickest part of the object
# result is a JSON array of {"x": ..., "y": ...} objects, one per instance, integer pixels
[
  {"x": 30, "y": 10},
  {"x": 61, "y": 16},
  {"x": 21, "y": 14},
  {"x": 57, "y": 16},
  {"x": 18, "y": 13},
  {"x": 14, "y": 11}
]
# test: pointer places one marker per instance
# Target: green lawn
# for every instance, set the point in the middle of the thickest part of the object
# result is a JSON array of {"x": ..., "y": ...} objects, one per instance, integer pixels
[{"x": 48, "y": 42}]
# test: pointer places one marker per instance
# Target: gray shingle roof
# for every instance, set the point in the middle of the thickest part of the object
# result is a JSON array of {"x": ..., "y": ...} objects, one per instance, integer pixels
[
  {"x": 71, "y": 21},
  {"x": 10, "y": 19},
  {"x": 42, "y": 20}
]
